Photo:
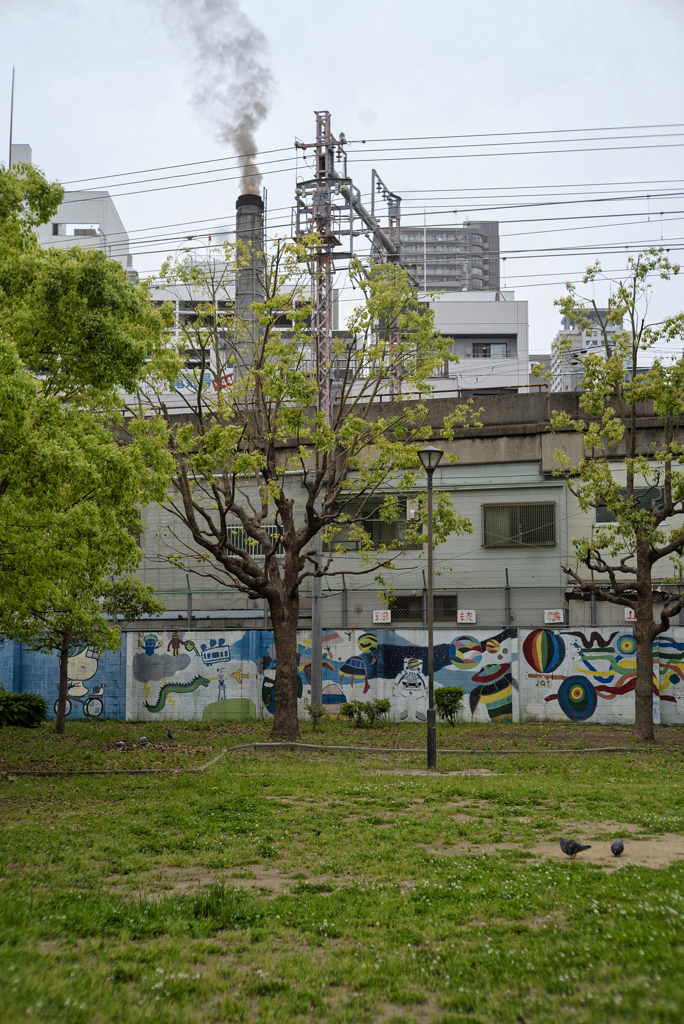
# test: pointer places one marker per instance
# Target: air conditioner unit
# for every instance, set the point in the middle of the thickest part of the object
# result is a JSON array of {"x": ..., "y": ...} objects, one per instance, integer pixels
[{"x": 469, "y": 350}]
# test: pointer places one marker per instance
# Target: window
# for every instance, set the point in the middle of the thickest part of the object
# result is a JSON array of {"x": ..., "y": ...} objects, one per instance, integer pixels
[
  {"x": 519, "y": 525},
  {"x": 409, "y": 608},
  {"x": 380, "y": 531},
  {"x": 497, "y": 350},
  {"x": 238, "y": 537},
  {"x": 643, "y": 496},
  {"x": 477, "y": 238}
]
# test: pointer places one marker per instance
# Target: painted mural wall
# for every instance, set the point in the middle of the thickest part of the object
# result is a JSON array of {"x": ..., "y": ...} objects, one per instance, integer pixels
[
  {"x": 570, "y": 675},
  {"x": 590, "y": 675},
  {"x": 229, "y": 676}
]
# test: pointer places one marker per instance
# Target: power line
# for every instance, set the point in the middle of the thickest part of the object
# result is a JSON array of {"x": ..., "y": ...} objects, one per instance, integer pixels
[{"x": 546, "y": 131}]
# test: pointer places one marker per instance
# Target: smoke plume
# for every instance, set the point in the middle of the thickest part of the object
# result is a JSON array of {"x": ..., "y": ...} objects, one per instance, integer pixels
[{"x": 232, "y": 85}]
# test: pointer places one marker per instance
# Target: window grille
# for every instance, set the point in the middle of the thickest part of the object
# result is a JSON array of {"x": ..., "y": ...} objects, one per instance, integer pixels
[
  {"x": 380, "y": 531},
  {"x": 519, "y": 525},
  {"x": 409, "y": 608},
  {"x": 238, "y": 537},
  {"x": 643, "y": 496}
]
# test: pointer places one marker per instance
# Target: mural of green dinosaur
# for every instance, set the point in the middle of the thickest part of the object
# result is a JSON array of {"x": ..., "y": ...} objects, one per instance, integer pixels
[{"x": 168, "y": 688}]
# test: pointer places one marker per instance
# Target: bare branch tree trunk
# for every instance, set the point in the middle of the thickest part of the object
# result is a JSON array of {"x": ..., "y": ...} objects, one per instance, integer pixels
[
  {"x": 644, "y": 633},
  {"x": 63, "y": 682},
  {"x": 284, "y": 617}
]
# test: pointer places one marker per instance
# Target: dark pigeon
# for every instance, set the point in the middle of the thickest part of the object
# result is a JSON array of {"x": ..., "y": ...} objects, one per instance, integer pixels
[
  {"x": 144, "y": 739},
  {"x": 618, "y": 847},
  {"x": 571, "y": 846},
  {"x": 121, "y": 743},
  {"x": 170, "y": 734}
]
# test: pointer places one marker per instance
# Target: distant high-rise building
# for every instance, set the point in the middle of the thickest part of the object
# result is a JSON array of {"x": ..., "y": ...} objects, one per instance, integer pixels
[
  {"x": 453, "y": 257},
  {"x": 566, "y": 365}
]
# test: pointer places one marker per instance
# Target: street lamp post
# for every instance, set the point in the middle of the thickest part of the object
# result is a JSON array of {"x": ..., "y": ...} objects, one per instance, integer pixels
[{"x": 430, "y": 457}]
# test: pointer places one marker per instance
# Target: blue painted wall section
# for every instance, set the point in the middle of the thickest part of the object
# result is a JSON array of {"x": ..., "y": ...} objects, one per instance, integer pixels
[{"x": 97, "y": 686}]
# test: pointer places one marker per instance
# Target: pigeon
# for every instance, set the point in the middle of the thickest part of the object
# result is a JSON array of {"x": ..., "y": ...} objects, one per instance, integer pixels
[
  {"x": 317, "y": 831},
  {"x": 170, "y": 734},
  {"x": 618, "y": 847},
  {"x": 144, "y": 739},
  {"x": 571, "y": 846},
  {"x": 121, "y": 744}
]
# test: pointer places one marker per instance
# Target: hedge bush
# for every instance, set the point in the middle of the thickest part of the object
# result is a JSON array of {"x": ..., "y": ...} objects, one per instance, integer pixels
[
  {"x": 25, "y": 709},
  {"x": 449, "y": 701}
]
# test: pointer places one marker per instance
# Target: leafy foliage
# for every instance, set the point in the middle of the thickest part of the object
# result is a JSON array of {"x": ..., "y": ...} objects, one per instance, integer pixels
[
  {"x": 298, "y": 450},
  {"x": 616, "y": 391},
  {"x": 24, "y": 709},
  {"x": 449, "y": 702},
  {"x": 365, "y": 714}
]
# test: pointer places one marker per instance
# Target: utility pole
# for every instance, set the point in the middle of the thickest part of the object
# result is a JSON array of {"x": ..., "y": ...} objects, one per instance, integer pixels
[
  {"x": 315, "y": 205},
  {"x": 316, "y": 212}
]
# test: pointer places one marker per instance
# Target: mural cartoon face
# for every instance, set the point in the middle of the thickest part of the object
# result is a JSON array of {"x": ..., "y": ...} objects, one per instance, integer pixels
[
  {"x": 82, "y": 664},
  {"x": 149, "y": 643}
]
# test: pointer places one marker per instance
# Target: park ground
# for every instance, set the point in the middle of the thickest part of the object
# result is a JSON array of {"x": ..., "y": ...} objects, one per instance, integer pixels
[{"x": 341, "y": 887}]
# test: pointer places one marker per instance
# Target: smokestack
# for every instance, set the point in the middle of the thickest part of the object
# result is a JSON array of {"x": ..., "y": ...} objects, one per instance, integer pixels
[{"x": 249, "y": 229}]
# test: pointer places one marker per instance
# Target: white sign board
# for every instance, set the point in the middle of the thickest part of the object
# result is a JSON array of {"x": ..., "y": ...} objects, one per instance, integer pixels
[
  {"x": 383, "y": 615},
  {"x": 554, "y": 615},
  {"x": 466, "y": 617},
  {"x": 630, "y": 615}
]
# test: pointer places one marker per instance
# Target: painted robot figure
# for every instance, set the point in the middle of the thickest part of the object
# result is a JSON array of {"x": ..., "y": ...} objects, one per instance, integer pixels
[
  {"x": 175, "y": 643},
  {"x": 221, "y": 684},
  {"x": 411, "y": 686}
]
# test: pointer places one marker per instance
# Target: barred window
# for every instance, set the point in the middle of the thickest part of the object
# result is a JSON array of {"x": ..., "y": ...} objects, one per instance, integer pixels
[
  {"x": 238, "y": 537},
  {"x": 643, "y": 496},
  {"x": 519, "y": 525},
  {"x": 409, "y": 608}
]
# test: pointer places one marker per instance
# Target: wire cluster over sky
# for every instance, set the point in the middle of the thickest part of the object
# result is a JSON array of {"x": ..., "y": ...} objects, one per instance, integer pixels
[{"x": 549, "y": 231}]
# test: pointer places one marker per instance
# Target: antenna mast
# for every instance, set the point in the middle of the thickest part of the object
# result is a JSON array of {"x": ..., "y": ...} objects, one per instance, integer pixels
[{"x": 9, "y": 162}]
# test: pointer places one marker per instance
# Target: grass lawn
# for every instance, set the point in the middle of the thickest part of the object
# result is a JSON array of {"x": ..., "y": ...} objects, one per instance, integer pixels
[{"x": 341, "y": 887}]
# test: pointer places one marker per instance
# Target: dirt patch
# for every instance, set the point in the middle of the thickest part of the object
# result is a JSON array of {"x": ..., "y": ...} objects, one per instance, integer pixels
[
  {"x": 181, "y": 880},
  {"x": 431, "y": 775},
  {"x": 657, "y": 852},
  {"x": 654, "y": 852}
]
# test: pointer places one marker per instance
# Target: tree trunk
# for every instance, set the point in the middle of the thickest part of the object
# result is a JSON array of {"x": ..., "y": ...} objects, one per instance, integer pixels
[
  {"x": 644, "y": 632},
  {"x": 285, "y": 718},
  {"x": 63, "y": 682}
]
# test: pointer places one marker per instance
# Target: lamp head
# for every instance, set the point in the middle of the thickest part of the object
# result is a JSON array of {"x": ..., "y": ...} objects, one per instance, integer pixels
[{"x": 430, "y": 457}]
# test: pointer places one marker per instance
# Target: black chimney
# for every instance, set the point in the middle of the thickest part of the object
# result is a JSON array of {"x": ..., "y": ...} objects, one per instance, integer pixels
[{"x": 249, "y": 229}]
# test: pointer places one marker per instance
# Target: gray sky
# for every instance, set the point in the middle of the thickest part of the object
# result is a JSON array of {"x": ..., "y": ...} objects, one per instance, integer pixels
[{"x": 104, "y": 88}]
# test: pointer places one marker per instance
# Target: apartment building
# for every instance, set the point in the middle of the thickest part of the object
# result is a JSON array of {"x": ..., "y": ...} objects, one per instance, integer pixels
[
  {"x": 454, "y": 257},
  {"x": 566, "y": 366}
]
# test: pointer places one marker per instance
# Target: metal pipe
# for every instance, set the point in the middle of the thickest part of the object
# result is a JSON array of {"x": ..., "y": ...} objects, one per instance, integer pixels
[
  {"x": 344, "y": 603},
  {"x": 593, "y": 603},
  {"x": 507, "y": 594},
  {"x": 431, "y": 715},
  {"x": 189, "y": 607},
  {"x": 425, "y": 602},
  {"x": 317, "y": 619},
  {"x": 367, "y": 218}
]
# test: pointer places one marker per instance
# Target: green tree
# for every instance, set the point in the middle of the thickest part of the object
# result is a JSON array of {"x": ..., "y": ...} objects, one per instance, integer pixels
[
  {"x": 74, "y": 332},
  {"x": 615, "y": 391},
  {"x": 69, "y": 514},
  {"x": 292, "y": 414}
]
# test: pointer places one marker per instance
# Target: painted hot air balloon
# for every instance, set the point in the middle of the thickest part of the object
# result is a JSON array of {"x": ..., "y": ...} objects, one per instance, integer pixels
[
  {"x": 544, "y": 650},
  {"x": 465, "y": 652}
]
